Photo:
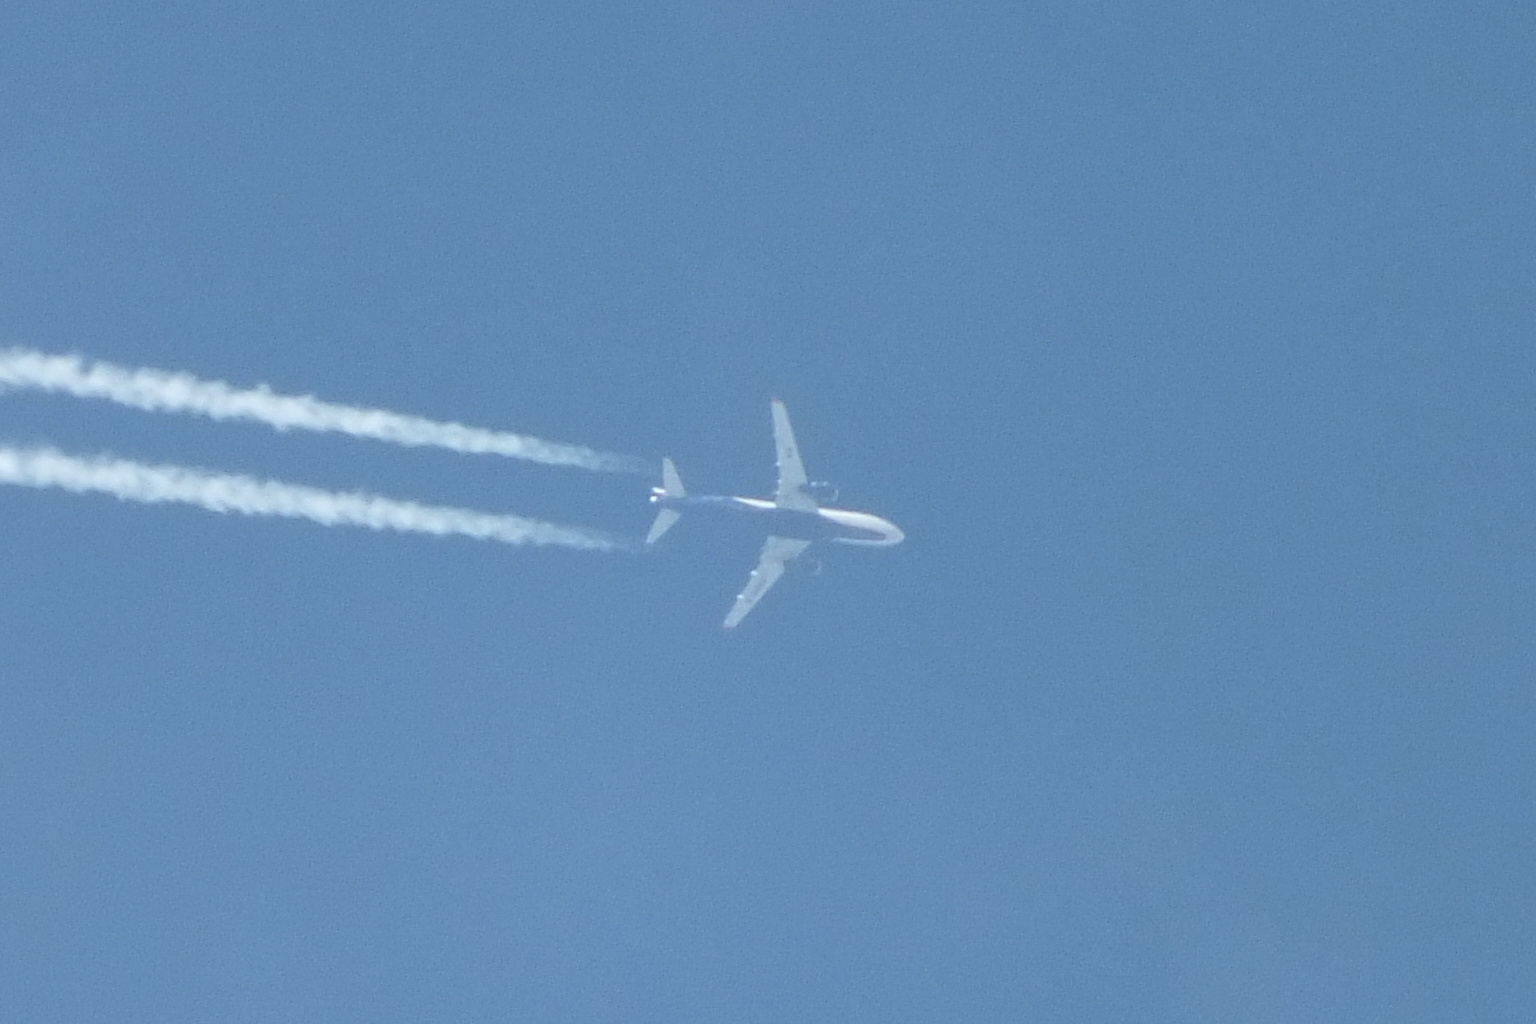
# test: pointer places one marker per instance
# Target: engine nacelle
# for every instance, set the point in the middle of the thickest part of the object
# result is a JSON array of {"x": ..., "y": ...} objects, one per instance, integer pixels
[
  {"x": 823, "y": 492},
  {"x": 806, "y": 565}
]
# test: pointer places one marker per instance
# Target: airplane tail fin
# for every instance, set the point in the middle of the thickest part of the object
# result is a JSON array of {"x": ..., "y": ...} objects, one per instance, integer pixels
[{"x": 671, "y": 487}]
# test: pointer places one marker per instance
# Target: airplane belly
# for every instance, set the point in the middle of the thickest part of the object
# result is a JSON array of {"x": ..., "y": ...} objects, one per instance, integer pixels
[
  {"x": 823, "y": 524},
  {"x": 800, "y": 525},
  {"x": 760, "y": 514},
  {"x": 830, "y": 524}
]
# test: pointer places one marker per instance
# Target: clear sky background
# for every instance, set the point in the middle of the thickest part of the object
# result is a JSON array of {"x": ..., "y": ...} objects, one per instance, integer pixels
[{"x": 1190, "y": 343}]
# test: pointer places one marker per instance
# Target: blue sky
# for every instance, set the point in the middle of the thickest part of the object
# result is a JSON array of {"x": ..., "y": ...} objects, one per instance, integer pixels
[{"x": 1189, "y": 343}]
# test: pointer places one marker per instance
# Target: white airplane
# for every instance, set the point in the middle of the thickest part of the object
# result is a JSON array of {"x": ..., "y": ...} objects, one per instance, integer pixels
[{"x": 793, "y": 516}]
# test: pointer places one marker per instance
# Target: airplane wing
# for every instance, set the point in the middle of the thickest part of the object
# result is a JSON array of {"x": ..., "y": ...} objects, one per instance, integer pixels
[
  {"x": 770, "y": 566},
  {"x": 791, "y": 491}
]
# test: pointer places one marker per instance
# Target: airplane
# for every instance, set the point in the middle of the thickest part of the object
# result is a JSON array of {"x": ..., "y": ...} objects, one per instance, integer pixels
[{"x": 794, "y": 516}]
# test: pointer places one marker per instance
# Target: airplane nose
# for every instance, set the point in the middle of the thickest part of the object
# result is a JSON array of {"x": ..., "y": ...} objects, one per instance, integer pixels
[{"x": 893, "y": 535}]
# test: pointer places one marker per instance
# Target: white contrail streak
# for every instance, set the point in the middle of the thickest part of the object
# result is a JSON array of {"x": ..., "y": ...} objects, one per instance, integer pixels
[
  {"x": 162, "y": 391},
  {"x": 218, "y": 492}
]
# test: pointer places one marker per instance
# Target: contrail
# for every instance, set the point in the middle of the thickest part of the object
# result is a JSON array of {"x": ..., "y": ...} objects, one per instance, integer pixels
[
  {"x": 218, "y": 492},
  {"x": 163, "y": 391}
]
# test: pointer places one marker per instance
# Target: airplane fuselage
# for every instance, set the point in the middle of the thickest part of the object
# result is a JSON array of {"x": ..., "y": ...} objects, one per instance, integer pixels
[{"x": 839, "y": 525}]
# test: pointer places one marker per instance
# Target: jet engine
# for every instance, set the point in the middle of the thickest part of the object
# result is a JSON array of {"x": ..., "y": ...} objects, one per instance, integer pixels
[
  {"x": 823, "y": 492},
  {"x": 807, "y": 565}
]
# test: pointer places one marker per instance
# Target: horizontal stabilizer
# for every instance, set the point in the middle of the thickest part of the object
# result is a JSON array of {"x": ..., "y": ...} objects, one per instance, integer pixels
[
  {"x": 664, "y": 520},
  {"x": 671, "y": 483}
]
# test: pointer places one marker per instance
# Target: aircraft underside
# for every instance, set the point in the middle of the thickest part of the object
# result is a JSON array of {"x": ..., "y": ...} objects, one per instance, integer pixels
[
  {"x": 793, "y": 518},
  {"x": 781, "y": 522}
]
